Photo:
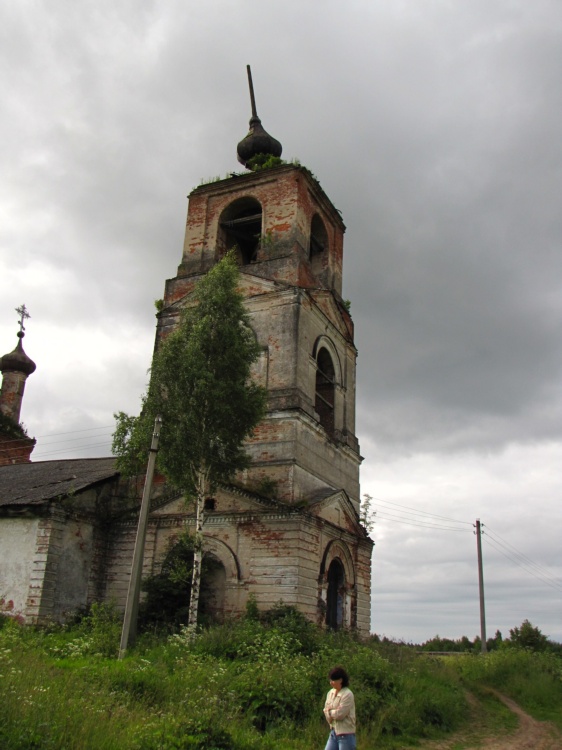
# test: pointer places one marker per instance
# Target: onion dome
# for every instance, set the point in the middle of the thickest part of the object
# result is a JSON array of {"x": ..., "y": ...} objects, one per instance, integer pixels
[
  {"x": 17, "y": 361},
  {"x": 258, "y": 140}
]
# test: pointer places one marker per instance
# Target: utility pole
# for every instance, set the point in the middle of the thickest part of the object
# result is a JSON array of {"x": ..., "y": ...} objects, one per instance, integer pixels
[
  {"x": 481, "y": 587},
  {"x": 129, "y": 631}
]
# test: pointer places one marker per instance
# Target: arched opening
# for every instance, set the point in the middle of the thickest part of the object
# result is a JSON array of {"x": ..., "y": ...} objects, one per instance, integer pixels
[
  {"x": 318, "y": 244},
  {"x": 335, "y": 596},
  {"x": 213, "y": 587},
  {"x": 241, "y": 228},
  {"x": 325, "y": 390},
  {"x": 168, "y": 593}
]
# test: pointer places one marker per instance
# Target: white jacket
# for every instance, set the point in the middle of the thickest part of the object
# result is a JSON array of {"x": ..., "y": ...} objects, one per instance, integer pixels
[{"x": 339, "y": 711}]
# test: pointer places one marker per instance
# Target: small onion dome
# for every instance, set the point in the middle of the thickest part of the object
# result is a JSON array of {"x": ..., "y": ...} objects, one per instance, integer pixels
[
  {"x": 258, "y": 141},
  {"x": 17, "y": 361}
]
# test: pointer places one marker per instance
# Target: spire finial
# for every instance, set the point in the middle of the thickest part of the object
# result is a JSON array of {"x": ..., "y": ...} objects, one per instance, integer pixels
[
  {"x": 258, "y": 141},
  {"x": 24, "y": 315},
  {"x": 252, "y": 97}
]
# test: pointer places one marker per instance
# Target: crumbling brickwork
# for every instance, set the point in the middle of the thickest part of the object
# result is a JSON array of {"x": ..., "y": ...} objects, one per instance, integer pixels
[{"x": 289, "y": 241}]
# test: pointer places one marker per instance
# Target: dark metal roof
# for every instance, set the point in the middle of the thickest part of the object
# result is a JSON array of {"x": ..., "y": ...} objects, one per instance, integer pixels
[
  {"x": 258, "y": 140},
  {"x": 37, "y": 483},
  {"x": 17, "y": 361}
]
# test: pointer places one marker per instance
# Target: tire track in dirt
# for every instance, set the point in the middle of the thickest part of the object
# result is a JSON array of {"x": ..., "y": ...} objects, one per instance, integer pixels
[{"x": 529, "y": 735}]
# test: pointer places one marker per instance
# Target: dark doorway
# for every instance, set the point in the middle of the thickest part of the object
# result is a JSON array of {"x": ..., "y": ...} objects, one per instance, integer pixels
[
  {"x": 336, "y": 583},
  {"x": 213, "y": 587}
]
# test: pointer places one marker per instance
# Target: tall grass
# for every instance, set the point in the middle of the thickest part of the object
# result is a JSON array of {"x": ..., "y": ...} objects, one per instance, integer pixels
[
  {"x": 533, "y": 679},
  {"x": 242, "y": 686}
]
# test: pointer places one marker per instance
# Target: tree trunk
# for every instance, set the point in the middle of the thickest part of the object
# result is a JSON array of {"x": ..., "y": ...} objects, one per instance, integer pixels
[{"x": 197, "y": 551}]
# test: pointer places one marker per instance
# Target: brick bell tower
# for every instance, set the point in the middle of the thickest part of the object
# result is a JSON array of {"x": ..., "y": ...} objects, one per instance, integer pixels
[
  {"x": 15, "y": 446},
  {"x": 288, "y": 237}
]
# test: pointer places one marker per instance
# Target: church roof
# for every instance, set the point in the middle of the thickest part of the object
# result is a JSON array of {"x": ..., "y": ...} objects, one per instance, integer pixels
[
  {"x": 258, "y": 140},
  {"x": 17, "y": 361},
  {"x": 40, "y": 482}
]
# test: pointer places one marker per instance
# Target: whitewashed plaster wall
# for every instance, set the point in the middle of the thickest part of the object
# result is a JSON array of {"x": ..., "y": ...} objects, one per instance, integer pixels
[{"x": 18, "y": 538}]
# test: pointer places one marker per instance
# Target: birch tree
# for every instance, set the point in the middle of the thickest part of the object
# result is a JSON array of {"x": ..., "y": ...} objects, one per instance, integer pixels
[{"x": 200, "y": 384}]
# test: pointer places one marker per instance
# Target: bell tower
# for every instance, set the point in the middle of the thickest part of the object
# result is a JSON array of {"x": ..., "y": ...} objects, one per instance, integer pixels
[
  {"x": 288, "y": 237},
  {"x": 15, "y": 445},
  {"x": 290, "y": 522}
]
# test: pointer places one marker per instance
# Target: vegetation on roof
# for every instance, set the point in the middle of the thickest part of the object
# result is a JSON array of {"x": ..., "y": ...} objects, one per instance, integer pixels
[{"x": 10, "y": 428}]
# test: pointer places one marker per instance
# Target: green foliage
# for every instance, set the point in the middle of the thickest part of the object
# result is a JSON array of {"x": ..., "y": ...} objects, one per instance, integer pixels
[
  {"x": 210, "y": 180},
  {"x": 10, "y": 428},
  {"x": 97, "y": 634},
  {"x": 159, "y": 304},
  {"x": 267, "y": 487},
  {"x": 267, "y": 240},
  {"x": 200, "y": 385},
  {"x": 264, "y": 161},
  {"x": 168, "y": 593},
  {"x": 251, "y": 684},
  {"x": 131, "y": 440},
  {"x": 528, "y": 636},
  {"x": 460, "y": 645},
  {"x": 533, "y": 679},
  {"x": 166, "y": 603},
  {"x": 366, "y": 515},
  {"x": 347, "y": 305},
  {"x": 252, "y": 611}
]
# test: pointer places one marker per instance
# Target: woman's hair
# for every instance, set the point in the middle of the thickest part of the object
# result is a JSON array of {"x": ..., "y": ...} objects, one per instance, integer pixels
[{"x": 339, "y": 673}]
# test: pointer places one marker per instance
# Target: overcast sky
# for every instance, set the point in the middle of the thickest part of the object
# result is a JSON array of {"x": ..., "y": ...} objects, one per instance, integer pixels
[{"x": 435, "y": 127}]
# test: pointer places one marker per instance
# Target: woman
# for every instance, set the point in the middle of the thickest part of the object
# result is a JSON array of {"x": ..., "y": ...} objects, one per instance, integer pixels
[{"x": 339, "y": 711}]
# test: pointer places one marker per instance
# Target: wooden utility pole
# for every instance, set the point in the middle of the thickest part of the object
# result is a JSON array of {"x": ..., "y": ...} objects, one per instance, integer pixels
[
  {"x": 129, "y": 631},
  {"x": 481, "y": 587}
]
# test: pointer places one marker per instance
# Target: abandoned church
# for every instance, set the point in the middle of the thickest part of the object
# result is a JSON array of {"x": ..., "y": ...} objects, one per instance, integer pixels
[{"x": 287, "y": 529}]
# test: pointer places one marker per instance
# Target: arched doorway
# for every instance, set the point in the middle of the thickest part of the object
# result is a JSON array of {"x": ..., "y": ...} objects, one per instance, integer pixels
[
  {"x": 168, "y": 592},
  {"x": 212, "y": 593},
  {"x": 335, "y": 596}
]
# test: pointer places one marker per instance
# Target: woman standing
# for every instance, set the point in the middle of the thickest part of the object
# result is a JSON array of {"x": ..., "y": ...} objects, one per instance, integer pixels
[{"x": 339, "y": 711}]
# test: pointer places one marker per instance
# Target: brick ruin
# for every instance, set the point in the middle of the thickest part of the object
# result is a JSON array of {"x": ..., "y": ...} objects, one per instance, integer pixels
[{"x": 285, "y": 530}]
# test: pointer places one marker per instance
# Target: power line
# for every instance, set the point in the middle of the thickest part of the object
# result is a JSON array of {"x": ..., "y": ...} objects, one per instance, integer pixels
[
  {"x": 416, "y": 522},
  {"x": 14, "y": 440},
  {"x": 73, "y": 432},
  {"x": 41, "y": 454},
  {"x": 521, "y": 555},
  {"x": 549, "y": 582},
  {"x": 421, "y": 513}
]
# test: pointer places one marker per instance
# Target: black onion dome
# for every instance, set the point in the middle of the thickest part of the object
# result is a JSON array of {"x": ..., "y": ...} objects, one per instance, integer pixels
[
  {"x": 17, "y": 361},
  {"x": 258, "y": 141}
]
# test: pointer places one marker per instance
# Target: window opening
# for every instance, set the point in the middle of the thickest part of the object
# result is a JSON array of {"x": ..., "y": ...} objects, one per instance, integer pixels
[
  {"x": 325, "y": 390},
  {"x": 210, "y": 504},
  {"x": 318, "y": 243},
  {"x": 241, "y": 228}
]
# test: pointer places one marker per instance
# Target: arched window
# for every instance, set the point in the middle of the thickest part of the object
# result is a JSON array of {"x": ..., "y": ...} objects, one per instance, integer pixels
[
  {"x": 318, "y": 244},
  {"x": 325, "y": 390},
  {"x": 240, "y": 226},
  {"x": 335, "y": 598}
]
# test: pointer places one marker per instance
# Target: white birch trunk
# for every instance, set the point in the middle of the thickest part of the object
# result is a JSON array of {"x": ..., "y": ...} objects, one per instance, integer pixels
[{"x": 197, "y": 552}]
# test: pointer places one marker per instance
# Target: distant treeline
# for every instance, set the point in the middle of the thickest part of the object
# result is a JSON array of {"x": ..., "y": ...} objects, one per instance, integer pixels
[{"x": 525, "y": 636}]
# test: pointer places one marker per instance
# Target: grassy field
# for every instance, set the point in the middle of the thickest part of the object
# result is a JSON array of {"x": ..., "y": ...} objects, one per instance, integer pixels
[{"x": 254, "y": 683}]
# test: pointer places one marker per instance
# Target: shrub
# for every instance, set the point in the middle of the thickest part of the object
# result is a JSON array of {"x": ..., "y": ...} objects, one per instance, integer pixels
[{"x": 97, "y": 634}]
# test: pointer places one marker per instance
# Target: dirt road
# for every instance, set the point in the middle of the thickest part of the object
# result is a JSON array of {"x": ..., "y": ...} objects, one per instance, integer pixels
[{"x": 529, "y": 735}]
